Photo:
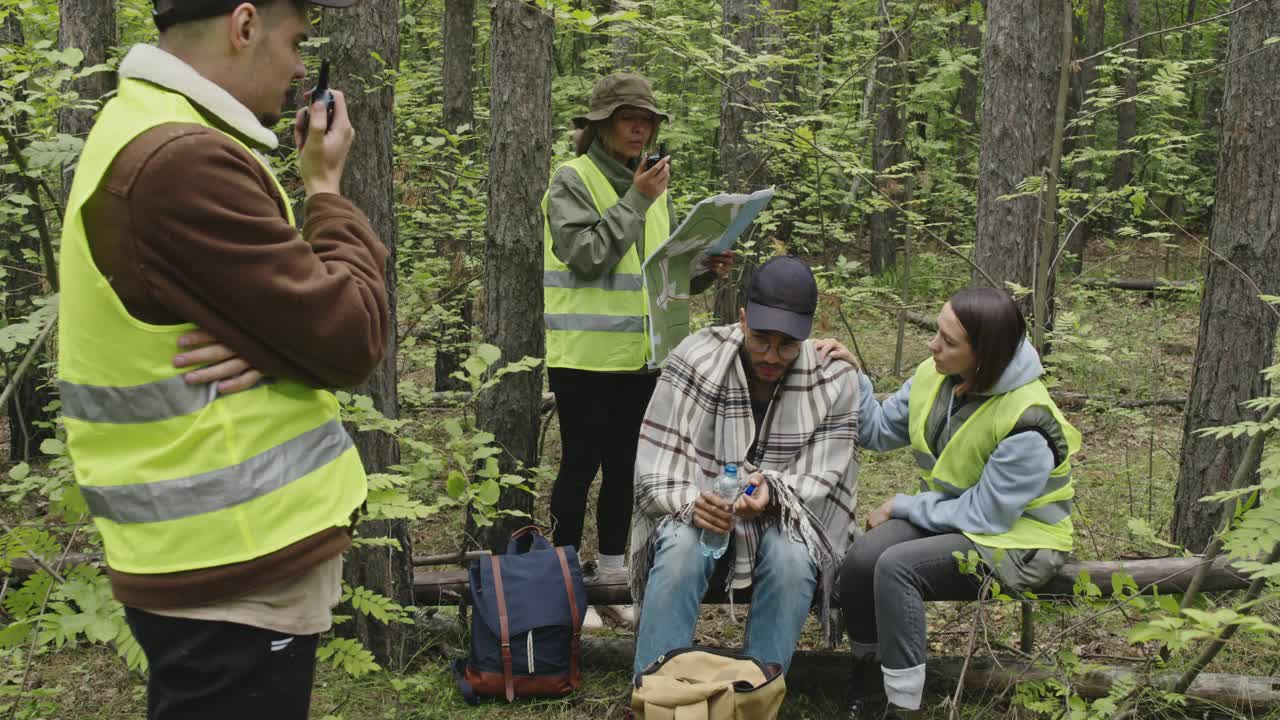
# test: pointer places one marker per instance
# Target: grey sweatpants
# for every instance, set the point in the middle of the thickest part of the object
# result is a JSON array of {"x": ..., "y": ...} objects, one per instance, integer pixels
[{"x": 885, "y": 579}]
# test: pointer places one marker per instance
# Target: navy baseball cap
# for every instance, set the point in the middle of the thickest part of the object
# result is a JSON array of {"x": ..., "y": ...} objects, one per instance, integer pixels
[
  {"x": 171, "y": 12},
  {"x": 782, "y": 297}
]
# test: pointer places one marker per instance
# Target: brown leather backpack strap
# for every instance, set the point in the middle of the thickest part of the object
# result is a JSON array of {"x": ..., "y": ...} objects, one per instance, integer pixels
[
  {"x": 505, "y": 629},
  {"x": 574, "y": 677}
]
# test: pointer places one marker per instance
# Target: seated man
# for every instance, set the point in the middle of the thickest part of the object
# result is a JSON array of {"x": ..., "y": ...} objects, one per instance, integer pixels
[{"x": 754, "y": 394}]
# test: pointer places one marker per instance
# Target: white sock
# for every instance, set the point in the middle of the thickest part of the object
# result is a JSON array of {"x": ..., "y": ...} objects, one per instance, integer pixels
[
  {"x": 609, "y": 562},
  {"x": 905, "y": 687}
]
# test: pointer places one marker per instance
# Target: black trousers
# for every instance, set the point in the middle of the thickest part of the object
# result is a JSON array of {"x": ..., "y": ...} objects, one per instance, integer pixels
[
  {"x": 600, "y": 415},
  {"x": 203, "y": 670}
]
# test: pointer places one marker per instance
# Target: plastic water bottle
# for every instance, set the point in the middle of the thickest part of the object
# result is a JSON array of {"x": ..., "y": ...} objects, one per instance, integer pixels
[{"x": 727, "y": 488}]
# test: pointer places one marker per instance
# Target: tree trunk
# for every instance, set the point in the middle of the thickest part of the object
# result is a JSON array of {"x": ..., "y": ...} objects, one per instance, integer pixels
[
  {"x": 624, "y": 42},
  {"x": 358, "y": 37},
  {"x": 1127, "y": 111},
  {"x": 519, "y": 165},
  {"x": 888, "y": 146},
  {"x": 1237, "y": 329},
  {"x": 1078, "y": 235},
  {"x": 743, "y": 164},
  {"x": 458, "y": 80},
  {"x": 1020, "y": 88},
  {"x": 91, "y": 26},
  {"x": 969, "y": 38}
]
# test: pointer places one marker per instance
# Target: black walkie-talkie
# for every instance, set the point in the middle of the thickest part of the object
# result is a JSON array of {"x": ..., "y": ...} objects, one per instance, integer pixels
[{"x": 320, "y": 94}]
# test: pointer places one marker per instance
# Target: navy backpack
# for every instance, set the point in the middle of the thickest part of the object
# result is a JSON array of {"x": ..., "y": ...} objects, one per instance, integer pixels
[{"x": 526, "y": 622}]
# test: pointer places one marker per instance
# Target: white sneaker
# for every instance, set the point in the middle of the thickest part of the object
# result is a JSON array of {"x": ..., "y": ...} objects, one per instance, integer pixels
[
  {"x": 624, "y": 615},
  {"x": 591, "y": 619}
]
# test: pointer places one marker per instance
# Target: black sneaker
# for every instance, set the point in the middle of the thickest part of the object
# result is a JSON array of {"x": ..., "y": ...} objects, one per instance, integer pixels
[
  {"x": 893, "y": 712},
  {"x": 866, "y": 691},
  {"x": 866, "y": 708}
]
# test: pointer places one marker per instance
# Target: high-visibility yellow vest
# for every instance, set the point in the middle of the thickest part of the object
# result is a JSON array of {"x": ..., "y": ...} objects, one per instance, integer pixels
[
  {"x": 1046, "y": 521},
  {"x": 599, "y": 324},
  {"x": 178, "y": 477}
]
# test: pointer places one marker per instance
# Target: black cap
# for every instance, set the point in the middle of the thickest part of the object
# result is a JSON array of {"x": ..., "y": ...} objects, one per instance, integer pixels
[
  {"x": 782, "y": 297},
  {"x": 177, "y": 11}
]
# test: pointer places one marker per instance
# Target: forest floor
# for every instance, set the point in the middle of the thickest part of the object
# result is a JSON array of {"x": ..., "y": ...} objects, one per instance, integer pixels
[{"x": 1117, "y": 344}]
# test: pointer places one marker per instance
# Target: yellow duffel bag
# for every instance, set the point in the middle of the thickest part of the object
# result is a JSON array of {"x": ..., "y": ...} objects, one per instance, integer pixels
[{"x": 708, "y": 684}]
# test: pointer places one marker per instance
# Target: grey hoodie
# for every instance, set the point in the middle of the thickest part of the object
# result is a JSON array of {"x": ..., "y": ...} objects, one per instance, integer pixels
[{"x": 1015, "y": 474}]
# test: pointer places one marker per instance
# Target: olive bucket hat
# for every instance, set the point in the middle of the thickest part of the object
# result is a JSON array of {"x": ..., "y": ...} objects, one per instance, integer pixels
[{"x": 616, "y": 90}]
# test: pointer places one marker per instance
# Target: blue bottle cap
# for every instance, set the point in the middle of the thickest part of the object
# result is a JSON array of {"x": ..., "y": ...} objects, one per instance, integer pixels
[{"x": 731, "y": 469}]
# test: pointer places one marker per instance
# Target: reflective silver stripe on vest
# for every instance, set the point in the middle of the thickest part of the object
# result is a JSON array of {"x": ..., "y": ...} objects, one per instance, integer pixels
[
  {"x": 1050, "y": 514},
  {"x": 1056, "y": 483},
  {"x": 925, "y": 460},
  {"x": 223, "y": 488},
  {"x": 151, "y": 402},
  {"x": 613, "y": 282},
  {"x": 595, "y": 323}
]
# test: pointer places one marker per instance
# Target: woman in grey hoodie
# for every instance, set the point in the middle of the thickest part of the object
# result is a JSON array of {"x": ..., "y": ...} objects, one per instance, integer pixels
[{"x": 993, "y": 453}]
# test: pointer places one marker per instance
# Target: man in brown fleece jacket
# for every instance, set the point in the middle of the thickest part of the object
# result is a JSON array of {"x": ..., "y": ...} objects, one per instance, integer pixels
[{"x": 188, "y": 226}]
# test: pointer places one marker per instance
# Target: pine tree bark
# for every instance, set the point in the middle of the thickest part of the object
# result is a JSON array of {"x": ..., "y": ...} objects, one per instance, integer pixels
[
  {"x": 743, "y": 163},
  {"x": 357, "y": 38},
  {"x": 519, "y": 165},
  {"x": 1237, "y": 330},
  {"x": 1019, "y": 94},
  {"x": 1127, "y": 111},
  {"x": 888, "y": 146},
  {"x": 458, "y": 110},
  {"x": 91, "y": 26}
]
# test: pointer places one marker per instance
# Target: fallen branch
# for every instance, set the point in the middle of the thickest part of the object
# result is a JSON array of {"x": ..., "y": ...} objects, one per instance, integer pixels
[{"x": 27, "y": 359}]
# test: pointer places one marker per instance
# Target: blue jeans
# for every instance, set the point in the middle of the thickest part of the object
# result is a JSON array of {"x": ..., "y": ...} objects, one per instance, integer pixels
[{"x": 781, "y": 592}]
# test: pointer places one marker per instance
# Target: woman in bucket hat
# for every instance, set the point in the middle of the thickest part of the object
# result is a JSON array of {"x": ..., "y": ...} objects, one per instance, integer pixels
[{"x": 604, "y": 213}]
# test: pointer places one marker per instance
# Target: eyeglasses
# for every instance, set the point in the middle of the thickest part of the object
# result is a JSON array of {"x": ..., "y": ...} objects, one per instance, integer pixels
[{"x": 786, "y": 350}]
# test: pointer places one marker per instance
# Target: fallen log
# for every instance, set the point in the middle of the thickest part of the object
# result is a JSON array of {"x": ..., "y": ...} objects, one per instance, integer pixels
[
  {"x": 1165, "y": 575},
  {"x": 826, "y": 672},
  {"x": 449, "y": 558},
  {"x": 1140, "y": 285},
  {"x": 1075, "y": 399}
]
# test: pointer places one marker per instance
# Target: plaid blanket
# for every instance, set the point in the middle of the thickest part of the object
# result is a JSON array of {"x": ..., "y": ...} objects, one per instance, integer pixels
[{"x": 700, "y": 419}]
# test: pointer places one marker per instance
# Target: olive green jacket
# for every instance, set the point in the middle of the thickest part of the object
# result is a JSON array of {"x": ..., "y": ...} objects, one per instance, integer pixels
[{"x": 590, "y": 244}]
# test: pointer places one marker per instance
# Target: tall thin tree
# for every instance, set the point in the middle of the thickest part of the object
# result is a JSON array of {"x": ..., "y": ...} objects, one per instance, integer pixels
[
  {"x": 1019, "y": 95},
  {"x": 888, "y": 146},
  {"x": 364, "y": 45},
  {"x": 1127, "y": 111},
  {"x": 519, "y": 165},
  {"x": 1237, "y": 329},
  {"x": 1081, "y": 182},
  {"x": 967, "y": 37},
  {"x": 752, "y": 29},
  {"x": 458, "y": 79}
]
